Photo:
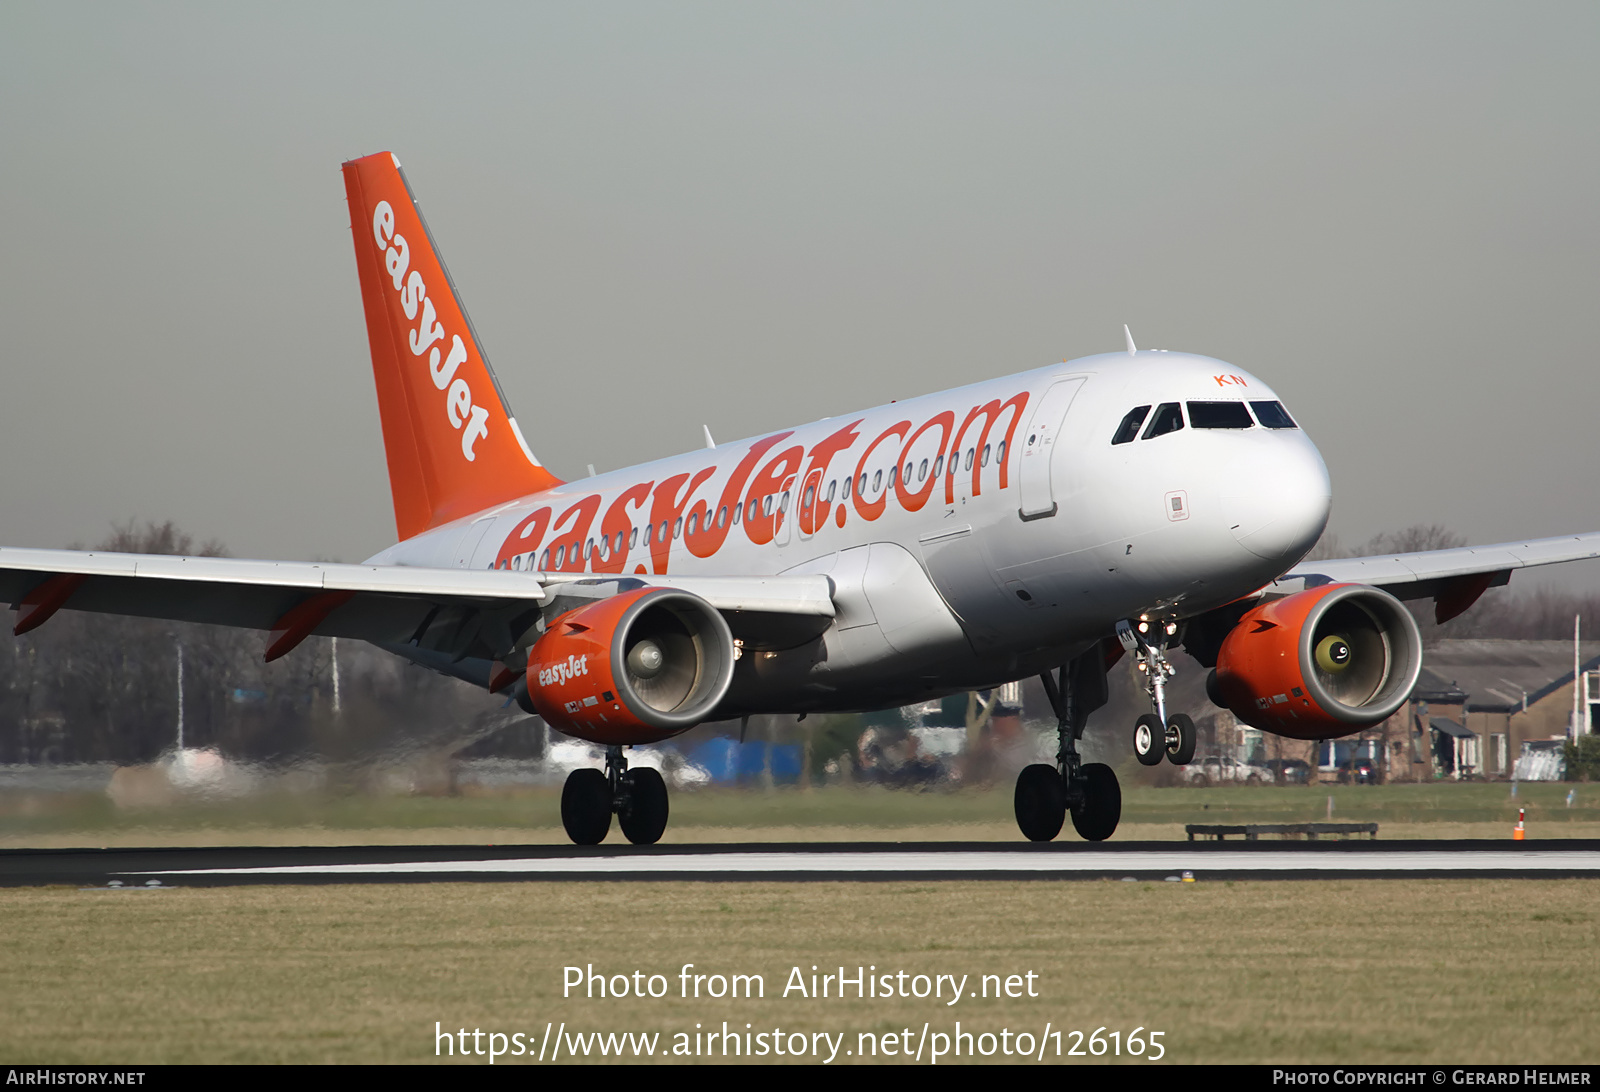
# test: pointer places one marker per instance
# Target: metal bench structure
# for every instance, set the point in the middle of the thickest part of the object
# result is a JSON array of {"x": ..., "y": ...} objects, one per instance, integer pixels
[{"x": 1253, "y": 831}]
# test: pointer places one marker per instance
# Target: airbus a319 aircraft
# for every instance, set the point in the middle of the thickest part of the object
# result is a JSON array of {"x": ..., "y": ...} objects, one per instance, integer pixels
[{"x": 1046, "y": 524}]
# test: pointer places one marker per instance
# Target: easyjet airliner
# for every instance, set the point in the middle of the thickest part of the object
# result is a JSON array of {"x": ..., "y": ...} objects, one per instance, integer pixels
[{"x": 1042, "y": 524}]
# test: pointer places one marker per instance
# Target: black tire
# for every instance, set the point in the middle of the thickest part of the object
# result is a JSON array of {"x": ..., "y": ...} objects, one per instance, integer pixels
[
  {"x": 1149, "y": 740},
  {"x": 1040, "y": 802},
  {"x": 1097, "y": 816},
  {"x": 1181, "y": 752},
  {"x": 644, "y": 819},
  {"x": 586, "y": 807}
]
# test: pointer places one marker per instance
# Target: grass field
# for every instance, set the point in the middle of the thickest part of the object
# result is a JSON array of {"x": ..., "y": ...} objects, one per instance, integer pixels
[
  {"x": 1337, "y": 971},
  {"x": 1441, "y": 810}
]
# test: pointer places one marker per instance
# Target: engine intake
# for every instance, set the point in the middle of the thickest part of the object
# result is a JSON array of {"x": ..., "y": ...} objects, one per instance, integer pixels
[
  {"x": 1322, "y": 663},
  {"x": 635, "y": 668}
]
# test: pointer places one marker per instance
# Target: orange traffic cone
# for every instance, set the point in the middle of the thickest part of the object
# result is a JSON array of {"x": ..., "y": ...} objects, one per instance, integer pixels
[{"x": 1517, "y": 833}]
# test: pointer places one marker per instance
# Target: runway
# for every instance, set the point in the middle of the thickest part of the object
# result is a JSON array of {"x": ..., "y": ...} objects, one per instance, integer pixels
[{"x": 163, "y": 868}]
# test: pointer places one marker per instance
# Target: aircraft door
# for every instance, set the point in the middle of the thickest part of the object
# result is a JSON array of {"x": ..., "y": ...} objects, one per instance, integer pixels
[
  {"x": 810, "y": 501},
  {"x": 788, "y": 506},
  {"x": 470, "y": 539},
  {"x": 1038, "y": 448}
]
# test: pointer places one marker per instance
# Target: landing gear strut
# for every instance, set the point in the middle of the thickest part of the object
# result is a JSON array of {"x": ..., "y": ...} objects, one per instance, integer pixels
[
  {"x": 1046, "y": 794},
  {"x": 1156, "y": 735},
  {"x": 638, "y": 797}
]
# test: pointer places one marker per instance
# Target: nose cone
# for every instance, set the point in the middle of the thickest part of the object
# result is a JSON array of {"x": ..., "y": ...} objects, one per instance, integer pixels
[{"x": 1277, "y": 498}]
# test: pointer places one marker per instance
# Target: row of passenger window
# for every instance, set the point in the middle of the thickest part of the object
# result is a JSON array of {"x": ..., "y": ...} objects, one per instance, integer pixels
[
  {"x": 1168, "y": 417},
  {"x": 772, "y": 502}
]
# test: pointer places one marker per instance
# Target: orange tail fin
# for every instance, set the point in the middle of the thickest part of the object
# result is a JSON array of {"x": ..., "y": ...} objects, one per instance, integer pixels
[{"x": 452, "y": 444}]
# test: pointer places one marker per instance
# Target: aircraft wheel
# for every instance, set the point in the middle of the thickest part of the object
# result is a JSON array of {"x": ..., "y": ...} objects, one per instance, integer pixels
[
  {"x": 1040, "y": 802},
  {"x": 644, "y": 819},
  {"x": 1097, "y": 816},
  {"x": 586, "y": 807},
  {"x": 1180, "y": 751},
  {"x": 1149, "y": 740}
]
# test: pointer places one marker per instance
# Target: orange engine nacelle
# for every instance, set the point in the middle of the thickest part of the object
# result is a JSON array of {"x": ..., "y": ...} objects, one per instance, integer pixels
[
  {"x": 635, "y": 668},
  {"x": 1322, "y": 663}
]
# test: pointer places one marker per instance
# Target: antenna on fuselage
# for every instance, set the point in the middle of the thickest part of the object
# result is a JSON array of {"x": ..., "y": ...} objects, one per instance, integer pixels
[
  {"x": 1132, "y": 348},
  {"x": 709, "y": 441}
]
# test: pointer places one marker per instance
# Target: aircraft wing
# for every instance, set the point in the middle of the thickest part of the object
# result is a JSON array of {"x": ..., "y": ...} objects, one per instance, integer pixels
[
  {"x": 1452, "y": 578},
  {"x": 458, "y": 611}
]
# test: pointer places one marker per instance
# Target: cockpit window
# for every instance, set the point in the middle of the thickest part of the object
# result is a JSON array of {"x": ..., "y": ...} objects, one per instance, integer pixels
[
  {"x": 1128, "y": 431},
  {"x": 1168, "y": 418},
  {"x": 1273, "y": 415},
  {"x": 1219, "y": 415}
]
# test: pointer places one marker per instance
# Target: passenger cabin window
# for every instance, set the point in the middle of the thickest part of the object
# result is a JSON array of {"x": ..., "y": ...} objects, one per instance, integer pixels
[
  {"x": 1168, "y": 418},
  {"x": 1219, "y": 415},
  {"x": 1128, "y": 431},
  {"x": 1273, "y": 415}
]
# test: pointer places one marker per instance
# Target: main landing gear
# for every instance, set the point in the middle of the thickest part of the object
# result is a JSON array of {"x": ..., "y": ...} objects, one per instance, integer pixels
[
  {"x": 1156, "y": 735},
  {"x": 638, "y": 797},
  {"x": 1088, "y": 790}
]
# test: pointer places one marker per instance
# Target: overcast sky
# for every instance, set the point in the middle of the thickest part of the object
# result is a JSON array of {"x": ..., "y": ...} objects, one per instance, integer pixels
[{"x": 749, "y": 215}]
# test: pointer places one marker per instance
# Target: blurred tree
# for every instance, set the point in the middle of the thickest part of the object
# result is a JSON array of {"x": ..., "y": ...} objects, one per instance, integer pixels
[{"x": 93, "y": 687}]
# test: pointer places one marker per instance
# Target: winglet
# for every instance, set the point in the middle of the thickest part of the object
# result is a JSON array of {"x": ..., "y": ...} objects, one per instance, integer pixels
[{"x": 1132, "y": 348}]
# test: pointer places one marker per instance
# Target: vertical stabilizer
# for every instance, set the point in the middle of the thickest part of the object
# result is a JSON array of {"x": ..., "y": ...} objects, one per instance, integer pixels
[{"x": 453, "y": 446}]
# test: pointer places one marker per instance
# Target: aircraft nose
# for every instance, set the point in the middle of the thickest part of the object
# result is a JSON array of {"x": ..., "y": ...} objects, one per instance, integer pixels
[{"x": 1277, "y": 499}]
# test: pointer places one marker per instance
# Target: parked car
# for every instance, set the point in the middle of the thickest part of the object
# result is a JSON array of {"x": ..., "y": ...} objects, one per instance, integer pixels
[
  {"x": 1361, "y": 770},
  {"x": 1219, "y": 770},
  {"x": 1289, "y": 771}
]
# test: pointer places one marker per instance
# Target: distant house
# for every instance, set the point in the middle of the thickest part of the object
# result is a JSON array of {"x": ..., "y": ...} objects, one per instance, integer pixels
[{"x": 1477, "y": 702}]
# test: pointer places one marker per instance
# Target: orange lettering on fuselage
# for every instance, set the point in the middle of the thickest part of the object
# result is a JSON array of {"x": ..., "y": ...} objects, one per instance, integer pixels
[
  {"x": 871, "y": 510},
  {"x": 572, "y": 561},
  {"x": 707, "y": 530},
  {"x": 762, "y": 527},
  {"x": 910, "y": 501},
  {"x": 705, "y": 535},
  {"x": 525, "y": 538},
  {"x": 666, "y": 508},
  {"x": 990, "y": 412},
  {"x": 821, "y": 455},
  {"x": 617, "y": 527}
]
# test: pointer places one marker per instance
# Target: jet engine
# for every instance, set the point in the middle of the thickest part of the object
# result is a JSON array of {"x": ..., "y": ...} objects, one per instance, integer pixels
[
  {"x": 1322, "y": 663},
  {"x": 634, "y": 668}
]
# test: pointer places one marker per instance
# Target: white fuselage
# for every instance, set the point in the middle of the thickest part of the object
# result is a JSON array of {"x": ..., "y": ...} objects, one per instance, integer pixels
[{"x": 1000, "y": 529}]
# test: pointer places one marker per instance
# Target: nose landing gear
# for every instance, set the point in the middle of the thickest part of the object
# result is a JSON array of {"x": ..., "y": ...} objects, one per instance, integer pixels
[
  {"x": 1156, "y": 735},
  {"x": 637, "y": 797},
  {"x": 1046, "y": 794}
]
